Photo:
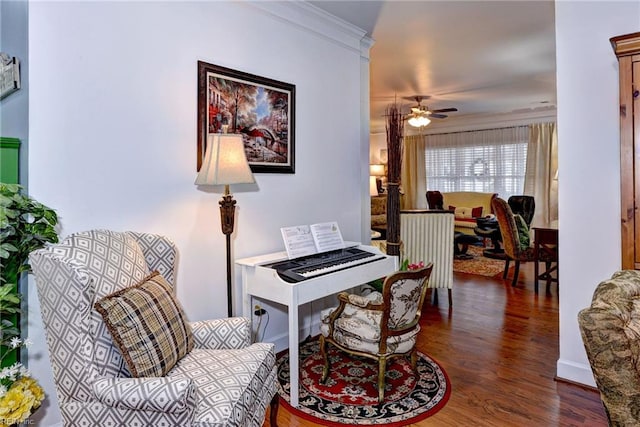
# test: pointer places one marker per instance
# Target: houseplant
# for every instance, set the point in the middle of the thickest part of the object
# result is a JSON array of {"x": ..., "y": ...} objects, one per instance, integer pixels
[{"x": 25, "y": 225}]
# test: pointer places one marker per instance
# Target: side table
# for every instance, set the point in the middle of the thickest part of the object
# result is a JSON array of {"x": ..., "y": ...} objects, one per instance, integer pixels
[{"x": 546, "y": 250}]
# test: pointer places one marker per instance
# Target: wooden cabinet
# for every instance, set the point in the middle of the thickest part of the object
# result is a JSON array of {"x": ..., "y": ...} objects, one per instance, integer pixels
[{"x": 627, "y": 49}]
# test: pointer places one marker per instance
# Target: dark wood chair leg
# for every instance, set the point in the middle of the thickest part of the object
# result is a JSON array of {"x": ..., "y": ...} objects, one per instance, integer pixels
[
  {"x": 435, "y": 297},
  {"x": 450, "y": 300},
  {"x": 537, "y": 275},
  {"x": 516, "y": 273},
  {"x": 506, "y": 268},
  {"x": 273, "y": 413}
]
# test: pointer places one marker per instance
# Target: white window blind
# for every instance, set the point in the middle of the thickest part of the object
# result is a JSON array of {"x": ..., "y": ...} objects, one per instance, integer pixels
[{"x": 488, "y": 160}]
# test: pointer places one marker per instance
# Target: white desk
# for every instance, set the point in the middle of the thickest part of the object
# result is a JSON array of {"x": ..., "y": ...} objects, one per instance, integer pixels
[{"x": 264, "y": 283}]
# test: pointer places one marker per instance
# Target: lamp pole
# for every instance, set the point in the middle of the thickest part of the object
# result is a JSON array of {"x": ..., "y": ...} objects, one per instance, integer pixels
[{"x": 227, "y": 214}]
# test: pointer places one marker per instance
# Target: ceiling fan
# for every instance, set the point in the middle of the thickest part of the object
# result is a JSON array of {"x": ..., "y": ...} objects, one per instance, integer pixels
[{"x": 421, "y": 116}]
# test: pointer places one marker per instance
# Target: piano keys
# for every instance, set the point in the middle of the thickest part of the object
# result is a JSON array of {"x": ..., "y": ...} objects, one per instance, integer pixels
[{"x": 303, "y": 268}]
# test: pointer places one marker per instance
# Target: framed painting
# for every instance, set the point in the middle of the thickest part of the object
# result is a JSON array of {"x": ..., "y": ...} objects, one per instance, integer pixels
[{"x": 262, "y": 110}]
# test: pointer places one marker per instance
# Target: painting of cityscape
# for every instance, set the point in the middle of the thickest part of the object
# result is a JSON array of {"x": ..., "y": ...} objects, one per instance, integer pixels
[{"x": 262, "y": 110}]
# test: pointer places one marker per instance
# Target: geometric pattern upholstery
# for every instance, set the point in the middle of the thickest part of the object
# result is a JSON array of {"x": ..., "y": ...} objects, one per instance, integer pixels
[
  {"x": 232, "y": 332},
  {"x": 222, "y": 377},
  {"x": 610, "y": 329},
  {"x": 92, "y": 381}
]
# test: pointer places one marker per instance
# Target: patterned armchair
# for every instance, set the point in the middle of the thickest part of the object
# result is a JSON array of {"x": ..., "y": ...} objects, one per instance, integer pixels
[
  {"x": 610, "y": 330},
  {"x": 378, "y": 326},
  {"x": 218, "y": 379}
]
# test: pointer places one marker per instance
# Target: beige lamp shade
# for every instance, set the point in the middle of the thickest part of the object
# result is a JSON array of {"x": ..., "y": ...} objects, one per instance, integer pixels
[
  {"x": 225, "y": 161},
  {"x": 376, "y": 170}
]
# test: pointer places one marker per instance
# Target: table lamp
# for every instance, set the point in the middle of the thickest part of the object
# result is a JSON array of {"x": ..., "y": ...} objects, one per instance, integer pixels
[
  {"x": 225, "y": 163},
  {"x": 378, "y": 172}
]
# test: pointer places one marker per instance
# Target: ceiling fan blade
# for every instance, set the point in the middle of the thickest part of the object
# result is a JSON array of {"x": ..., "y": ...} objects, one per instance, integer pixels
[
  {"x": 438, "y": 116},
  {"x": 444, "y": 110}
]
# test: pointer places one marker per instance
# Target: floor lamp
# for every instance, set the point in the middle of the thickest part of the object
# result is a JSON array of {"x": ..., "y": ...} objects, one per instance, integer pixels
[{"x": 225, "y": 163}]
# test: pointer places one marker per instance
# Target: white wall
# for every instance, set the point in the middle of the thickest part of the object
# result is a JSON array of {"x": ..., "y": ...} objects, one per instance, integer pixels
[
  {"x": 113, "y": 132},
  {"x": 589, "y": 164},
  {"x": 15, "y": 107}
]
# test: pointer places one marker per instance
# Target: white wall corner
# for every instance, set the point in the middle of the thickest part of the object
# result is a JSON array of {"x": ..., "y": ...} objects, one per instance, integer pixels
[
  {"x": 575, "y": 372},
  {"x": 366, "y": 43}
]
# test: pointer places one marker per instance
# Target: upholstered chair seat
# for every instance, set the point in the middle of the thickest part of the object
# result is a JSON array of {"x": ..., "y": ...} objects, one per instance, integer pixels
[
  {"x": 122, "y": 350},
  {"x": 379, "y": 326}
]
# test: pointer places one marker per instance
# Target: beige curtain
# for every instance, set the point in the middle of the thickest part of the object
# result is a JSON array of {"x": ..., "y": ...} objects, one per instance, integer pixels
[
  {"x": 414, "y": 175},
  {"x": 541, "y": 177}
]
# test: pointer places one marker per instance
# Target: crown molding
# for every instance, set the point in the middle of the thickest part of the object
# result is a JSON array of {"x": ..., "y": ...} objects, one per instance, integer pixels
[{"x": 314, "y": 20}]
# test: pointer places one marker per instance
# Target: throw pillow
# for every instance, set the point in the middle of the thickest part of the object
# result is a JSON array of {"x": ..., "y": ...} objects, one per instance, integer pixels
[
  {"x": 523, "y": 232},
  {"x": 148, "y": 325},
  {"x": 476, "y": 212}
]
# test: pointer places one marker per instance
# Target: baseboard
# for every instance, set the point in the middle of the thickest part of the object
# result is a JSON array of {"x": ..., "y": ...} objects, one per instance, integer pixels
[
  {"x": 282, "y": 340},
  {"x": 575, "y": 372}
]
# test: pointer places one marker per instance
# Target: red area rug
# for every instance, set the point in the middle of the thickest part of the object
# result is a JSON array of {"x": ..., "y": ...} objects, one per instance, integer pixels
[
  {"x": 479, "y": 264},
  {"x": 350, "y": 395}
]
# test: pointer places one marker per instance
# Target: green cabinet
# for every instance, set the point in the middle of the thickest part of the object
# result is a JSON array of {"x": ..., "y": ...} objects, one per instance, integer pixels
[{"x": 9, "y": 160}]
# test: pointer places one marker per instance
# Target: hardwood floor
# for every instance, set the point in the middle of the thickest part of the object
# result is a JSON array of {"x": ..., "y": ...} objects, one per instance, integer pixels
[{"x": 499, "y": 347}]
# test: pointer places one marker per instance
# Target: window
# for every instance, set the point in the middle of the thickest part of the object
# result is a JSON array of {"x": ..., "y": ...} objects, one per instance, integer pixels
[{"x": 489, "y": 161}]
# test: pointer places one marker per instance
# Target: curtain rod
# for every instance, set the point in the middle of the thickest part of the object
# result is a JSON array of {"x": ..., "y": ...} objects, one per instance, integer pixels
[{"x": 477, "y": 130}]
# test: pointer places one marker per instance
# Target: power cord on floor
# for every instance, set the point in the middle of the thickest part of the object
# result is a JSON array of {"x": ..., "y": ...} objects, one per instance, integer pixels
[{"x": 265, "y": 326}]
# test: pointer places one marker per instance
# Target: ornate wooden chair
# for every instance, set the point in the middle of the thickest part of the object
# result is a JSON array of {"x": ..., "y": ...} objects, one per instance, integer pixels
[{"x": 378, "y": 326}]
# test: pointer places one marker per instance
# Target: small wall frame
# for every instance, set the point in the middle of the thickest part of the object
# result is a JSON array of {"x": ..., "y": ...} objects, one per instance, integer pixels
[{"x": 9, "y": 75}]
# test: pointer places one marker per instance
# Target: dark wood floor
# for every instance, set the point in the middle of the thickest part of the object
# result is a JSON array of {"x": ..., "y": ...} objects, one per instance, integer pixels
[{"x": 499, "y": 347}]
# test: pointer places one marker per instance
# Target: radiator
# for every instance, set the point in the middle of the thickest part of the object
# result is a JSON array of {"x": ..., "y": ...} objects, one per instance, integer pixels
[{"x": 428, "y": 236}]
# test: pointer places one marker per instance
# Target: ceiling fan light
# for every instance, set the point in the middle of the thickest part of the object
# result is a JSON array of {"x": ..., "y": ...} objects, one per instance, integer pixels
[{"x": 419, "y": 120}]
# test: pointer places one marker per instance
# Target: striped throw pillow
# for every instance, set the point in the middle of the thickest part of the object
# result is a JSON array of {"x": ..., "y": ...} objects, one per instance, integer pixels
[{"x": 148, "y": 325}]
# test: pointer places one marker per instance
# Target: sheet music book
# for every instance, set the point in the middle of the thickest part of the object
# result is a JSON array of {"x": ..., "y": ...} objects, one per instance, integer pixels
[{"x": 302, "y": 240}]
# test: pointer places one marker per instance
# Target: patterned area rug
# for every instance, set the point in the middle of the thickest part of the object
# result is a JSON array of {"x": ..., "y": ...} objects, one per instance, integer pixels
[
  {"x": 350, "y": 396},
  {"x": 479, "y": 264}
]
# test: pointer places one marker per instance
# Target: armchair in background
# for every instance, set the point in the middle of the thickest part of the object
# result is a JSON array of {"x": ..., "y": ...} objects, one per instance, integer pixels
[
  {"x": 514, "y": 248},
  {"x": 524, "y": 206},
  {"x": 141, "y": 363},
  {"x": 435, "y": 200}
]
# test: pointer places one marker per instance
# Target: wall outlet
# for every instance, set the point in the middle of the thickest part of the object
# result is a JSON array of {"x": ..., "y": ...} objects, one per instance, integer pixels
[{"x": 259, "y": 311}]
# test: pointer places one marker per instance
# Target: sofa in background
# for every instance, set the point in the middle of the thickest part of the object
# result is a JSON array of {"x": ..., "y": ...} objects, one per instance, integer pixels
[
  {"x": 378, "y": 211},
  {"x": 467, "y": 206}
]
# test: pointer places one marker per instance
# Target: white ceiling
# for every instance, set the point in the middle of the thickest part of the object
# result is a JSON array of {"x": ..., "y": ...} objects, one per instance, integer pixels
[{"x": 481, "y": 57}]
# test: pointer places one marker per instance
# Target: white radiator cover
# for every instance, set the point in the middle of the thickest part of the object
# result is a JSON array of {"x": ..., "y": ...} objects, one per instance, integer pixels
[{"x": 428, "y": 236}]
